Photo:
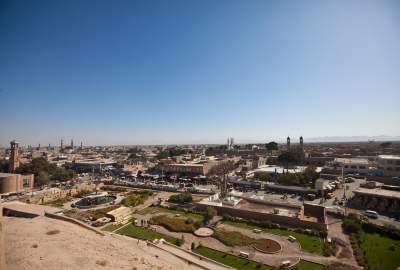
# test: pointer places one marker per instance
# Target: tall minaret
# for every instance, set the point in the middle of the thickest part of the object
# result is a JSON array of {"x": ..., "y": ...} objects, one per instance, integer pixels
[
  {"x": 72, "y": 143},
  {"x": 301, "y": 144},
  {"x": 14, "y": 156},
  {"x": 62, "y": 145},
  {"x": 81, "y": 145},
  {"x": 288, "y": 143}
]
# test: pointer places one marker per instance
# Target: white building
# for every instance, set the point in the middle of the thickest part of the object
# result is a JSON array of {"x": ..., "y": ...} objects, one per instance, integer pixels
[
  {"x": 351, "y": 165},
  {"x": 389, "y": 165}
]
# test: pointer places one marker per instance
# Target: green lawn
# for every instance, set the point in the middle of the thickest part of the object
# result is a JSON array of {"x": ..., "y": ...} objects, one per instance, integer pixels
[
  {"x": 230, "y": 260},
  {"x": 156, "y": 209},
  {"x": 304, "y": 265},
  {"x": 113, "y": 227},
  {"x": 308, "y": 243},
  {"x": 144, "y": 233},
  {"x": 381, "y": 252},
  {"x": 245, "y": 264}
]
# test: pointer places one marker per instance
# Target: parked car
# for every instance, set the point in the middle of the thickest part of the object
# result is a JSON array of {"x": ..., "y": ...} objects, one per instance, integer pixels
[{"x": 371, "y": 214}]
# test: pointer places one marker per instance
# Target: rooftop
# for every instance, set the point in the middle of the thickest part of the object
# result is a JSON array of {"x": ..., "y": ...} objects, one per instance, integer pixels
[
  {"x": 7, "y": 174},
  {"x": 352, "y": 160},
  {"x": 389, "y": 157},
  {"x": 378, "y": 192}
]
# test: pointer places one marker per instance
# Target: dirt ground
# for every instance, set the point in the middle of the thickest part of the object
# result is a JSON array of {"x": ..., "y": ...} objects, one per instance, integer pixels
[{"x": 43, "y": 243}]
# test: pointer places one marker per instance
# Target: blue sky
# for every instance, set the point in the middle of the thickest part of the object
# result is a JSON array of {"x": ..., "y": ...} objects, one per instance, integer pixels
[{"x": 155, "y": 72}]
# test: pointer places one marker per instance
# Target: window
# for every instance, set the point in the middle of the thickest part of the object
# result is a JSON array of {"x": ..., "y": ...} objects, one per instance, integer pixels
[
  {"x": 25, "y": 183},
  {"x": 354, "y": 167},
  {"x": 390, "y": 162},
  {"x": 362, "y": 167},
  {"x": 346, "y": 166},
  {"x": 389, "y": 169}
]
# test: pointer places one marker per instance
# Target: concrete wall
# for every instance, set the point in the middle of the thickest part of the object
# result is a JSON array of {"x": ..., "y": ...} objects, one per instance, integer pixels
[
  {"x": 258, "y": 216},
  {"x": 15, "y": 213},
  {"x": 2, "y": 246},
  {"x": 278, "y": 204},
  {"x": 73, "y": 221},
  {"x": 385, "y": 180}
]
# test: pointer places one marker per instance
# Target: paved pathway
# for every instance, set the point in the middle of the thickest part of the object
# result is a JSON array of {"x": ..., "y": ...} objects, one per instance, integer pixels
[
  {"x": 290, "y": 251},
  {"x": 194, "y": 258}
]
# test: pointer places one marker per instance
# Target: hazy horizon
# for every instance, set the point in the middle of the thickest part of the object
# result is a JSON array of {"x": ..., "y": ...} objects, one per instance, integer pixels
[
  {"x": 294, "y": 140},
  {"x": 182, "y": 72}
]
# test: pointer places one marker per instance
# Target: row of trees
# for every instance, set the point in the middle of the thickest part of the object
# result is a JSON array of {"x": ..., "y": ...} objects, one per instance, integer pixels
[
  {"x": 172, "y": 153},
  {"x": 297, "y": 179},
  {"x": 45, "y": 171},
  {"x": 4, "y": 165}
]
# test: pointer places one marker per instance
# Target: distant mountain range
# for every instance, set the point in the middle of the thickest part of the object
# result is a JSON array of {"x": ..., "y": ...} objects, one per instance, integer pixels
[
  {"x": 353, "y": 138},
  {"x": 330, "y": 139}
]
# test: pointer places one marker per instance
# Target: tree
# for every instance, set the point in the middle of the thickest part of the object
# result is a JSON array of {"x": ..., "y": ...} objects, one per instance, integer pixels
[
  {"x": 289, "y": 179},
  {"x": 271, "y": 146},
  {"x": 385, "y": 144},
  {"x": 351, "y": 226},
  {"x": 287, "y": 158},
  {"x": 42, "y": 178},
  {"x": 4, "y": 165},
  {"x": 210, "y": 213},
  {"x": 310, "y": 173},
  {"x": 262, "y": 176},
  {"x": 181, "y": 198},
  {"x": 40, "y": 167}
]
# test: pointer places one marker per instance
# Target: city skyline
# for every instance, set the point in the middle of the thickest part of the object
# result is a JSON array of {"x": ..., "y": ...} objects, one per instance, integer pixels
[{"x": 126, "y": 73}]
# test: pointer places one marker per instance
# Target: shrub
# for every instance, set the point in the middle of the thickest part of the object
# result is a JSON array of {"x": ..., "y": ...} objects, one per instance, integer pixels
[
  {"x": 211, "y": 212},
  {"x": 233, "y": 238},
  {"x": 179, "y": 242},
  {"x": 174, "y": 224},
  {"x": 181, "y": 198},
  {"x": 351, "y": 226},
  {"x": 328, "y": 249},
  {"x": 136, "y": 198}
]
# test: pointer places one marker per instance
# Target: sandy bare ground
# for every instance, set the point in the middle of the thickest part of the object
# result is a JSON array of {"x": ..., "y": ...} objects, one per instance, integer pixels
[{"x": 43, "y": 243}]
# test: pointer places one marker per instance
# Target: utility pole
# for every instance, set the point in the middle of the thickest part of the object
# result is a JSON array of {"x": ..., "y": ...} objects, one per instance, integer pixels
[{"x": 344, "y": 192}]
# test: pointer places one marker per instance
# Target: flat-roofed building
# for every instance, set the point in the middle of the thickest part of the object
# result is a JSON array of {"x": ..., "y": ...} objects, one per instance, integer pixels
[
  {"x": 378, "y": 199},
  {"x": 192, "y": 168},
  {"x": 389, "y": 165},
  {"x": 90, "y": 165},
  {"x": 15, "y": 183},
  {"x": 350, "y": 165}
]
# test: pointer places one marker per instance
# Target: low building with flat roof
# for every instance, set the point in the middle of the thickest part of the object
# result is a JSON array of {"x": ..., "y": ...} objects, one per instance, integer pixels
[
  {"x": 378, "y": 199},
  {"x": 15, "y": 183},
  {"x": 360, "y": 166},
  {"x": 275, "y": 170},
  {"x": 192, "y": 168},
  {"x": 90, "y": 165}
]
